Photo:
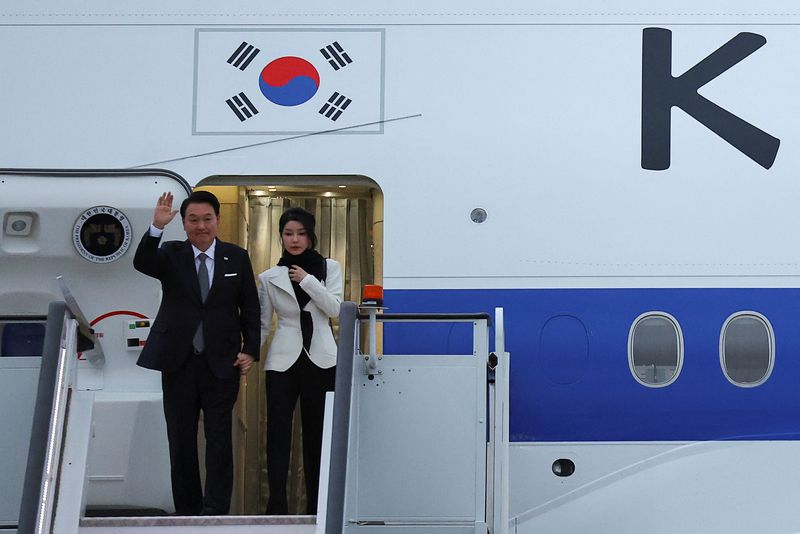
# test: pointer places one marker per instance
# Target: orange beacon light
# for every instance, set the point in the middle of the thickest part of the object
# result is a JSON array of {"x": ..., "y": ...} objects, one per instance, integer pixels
[{"x": 372, "y": 295}]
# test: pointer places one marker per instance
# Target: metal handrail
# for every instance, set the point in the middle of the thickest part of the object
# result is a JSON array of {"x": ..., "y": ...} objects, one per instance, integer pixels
[
  {"x": 372, "y": 315},
  {"x": 44, "y": 453},
  {"x": 428, "y": 317},
  {"x": 499, "y": 404},
  {"x": 337, "y": 477}
]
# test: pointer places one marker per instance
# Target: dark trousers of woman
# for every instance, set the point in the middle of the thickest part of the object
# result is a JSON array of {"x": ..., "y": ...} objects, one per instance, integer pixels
[{"x": 309, "y": 382}]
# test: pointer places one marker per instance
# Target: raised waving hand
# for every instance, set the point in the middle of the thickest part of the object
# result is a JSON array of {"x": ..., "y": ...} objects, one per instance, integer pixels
[{"x": 163, "y": 214}]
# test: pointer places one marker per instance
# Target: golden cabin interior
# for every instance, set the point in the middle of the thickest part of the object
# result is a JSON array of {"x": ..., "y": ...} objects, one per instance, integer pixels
[{"x": 349, "y": 217}]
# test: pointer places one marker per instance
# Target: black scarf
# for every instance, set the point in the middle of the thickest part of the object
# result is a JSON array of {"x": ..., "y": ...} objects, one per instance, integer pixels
[{"x": 313, "y": 263}]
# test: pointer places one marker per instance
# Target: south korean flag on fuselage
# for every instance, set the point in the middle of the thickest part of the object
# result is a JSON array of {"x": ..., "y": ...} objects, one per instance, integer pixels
[{"x": 285, "y": 81}]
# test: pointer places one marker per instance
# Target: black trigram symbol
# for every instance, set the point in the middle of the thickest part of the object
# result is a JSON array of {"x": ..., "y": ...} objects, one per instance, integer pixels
[
  {"x": 243, "y": 56},
  {"x": 242, "y": 106},
  {"x": 336, "y": 55},
  {"x": 335, "y": 105}
]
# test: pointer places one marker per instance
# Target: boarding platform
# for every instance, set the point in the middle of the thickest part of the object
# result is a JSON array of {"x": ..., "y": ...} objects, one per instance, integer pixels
[{"x": 412, "y": 443}]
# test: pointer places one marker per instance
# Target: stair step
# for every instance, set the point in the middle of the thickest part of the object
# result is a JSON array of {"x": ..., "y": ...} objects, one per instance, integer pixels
[
  {"x": 124, "y": 511},
  {"x": 240, "y": 524}
]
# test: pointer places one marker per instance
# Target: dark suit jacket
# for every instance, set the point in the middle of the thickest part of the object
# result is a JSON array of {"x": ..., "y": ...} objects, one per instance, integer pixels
[{"x": 230, "y": 313}]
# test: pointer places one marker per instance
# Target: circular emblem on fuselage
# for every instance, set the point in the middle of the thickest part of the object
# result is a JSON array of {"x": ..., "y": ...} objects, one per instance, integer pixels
[{"x": 102, "y": 234}]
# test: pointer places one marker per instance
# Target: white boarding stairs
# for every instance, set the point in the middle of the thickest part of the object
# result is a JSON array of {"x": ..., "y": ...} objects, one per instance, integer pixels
[{"x": 405, "y": 446}]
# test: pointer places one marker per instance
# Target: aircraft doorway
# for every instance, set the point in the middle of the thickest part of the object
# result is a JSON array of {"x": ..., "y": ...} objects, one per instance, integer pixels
[{"x": 349, "y": 216}]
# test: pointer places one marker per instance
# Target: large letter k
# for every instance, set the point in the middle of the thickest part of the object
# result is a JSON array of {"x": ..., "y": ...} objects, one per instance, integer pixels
[{"x": 661, "y": 91}]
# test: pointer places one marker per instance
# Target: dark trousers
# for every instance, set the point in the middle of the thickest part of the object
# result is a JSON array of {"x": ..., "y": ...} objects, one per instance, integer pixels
[
  {"x": 187, "y": 391},
  {"x": 309, "y": 382}
]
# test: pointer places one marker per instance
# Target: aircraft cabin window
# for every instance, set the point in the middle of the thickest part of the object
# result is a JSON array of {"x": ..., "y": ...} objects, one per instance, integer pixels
[
  {"x": 747, "y": 349},
  {"x": 655, "y": 349}
]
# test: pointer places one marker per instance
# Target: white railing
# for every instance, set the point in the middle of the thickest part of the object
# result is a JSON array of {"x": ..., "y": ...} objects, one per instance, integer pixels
[{"x": 65, "y": 373}]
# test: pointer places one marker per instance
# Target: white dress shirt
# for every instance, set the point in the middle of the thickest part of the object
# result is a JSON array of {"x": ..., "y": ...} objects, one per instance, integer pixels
[
  {"x": 157, "y": 232},
  {"x": 209, "y": 260}
]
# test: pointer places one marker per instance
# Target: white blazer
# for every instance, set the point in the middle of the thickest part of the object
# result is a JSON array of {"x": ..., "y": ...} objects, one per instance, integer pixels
[{"x": 276, "y": 294}]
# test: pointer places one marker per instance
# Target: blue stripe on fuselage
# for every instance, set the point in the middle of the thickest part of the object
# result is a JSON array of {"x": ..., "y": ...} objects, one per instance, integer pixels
[{"x": 590, "y": 393}]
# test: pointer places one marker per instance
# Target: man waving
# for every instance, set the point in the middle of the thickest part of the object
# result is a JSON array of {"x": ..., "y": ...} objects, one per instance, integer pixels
[{"x": 206, "y": 335}]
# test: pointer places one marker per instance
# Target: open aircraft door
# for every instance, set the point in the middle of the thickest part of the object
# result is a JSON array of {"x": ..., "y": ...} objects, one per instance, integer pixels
[{"x": 84, "y": 227}]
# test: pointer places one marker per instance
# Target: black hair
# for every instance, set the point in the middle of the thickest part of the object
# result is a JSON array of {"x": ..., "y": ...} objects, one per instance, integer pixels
[
  {"x": 303, "y": 217},
  {"x": 200, "y": 197}
]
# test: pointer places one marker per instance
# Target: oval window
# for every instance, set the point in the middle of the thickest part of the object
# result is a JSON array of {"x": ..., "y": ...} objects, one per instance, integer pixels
[
  {"x": 747, "y": 349},
  {"x": 655, "y": 349}
]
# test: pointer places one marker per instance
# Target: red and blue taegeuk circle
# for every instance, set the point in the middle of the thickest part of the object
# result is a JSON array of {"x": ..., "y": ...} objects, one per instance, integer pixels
[{"x": 289, "y": 81}]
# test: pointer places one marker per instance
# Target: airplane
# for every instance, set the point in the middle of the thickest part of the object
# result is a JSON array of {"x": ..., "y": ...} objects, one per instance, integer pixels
[{"x": 619, "y": 180}]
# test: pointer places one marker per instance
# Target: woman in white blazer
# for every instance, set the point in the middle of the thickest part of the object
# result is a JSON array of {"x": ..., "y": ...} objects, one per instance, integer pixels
[{"x": 304, "y": 290}]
